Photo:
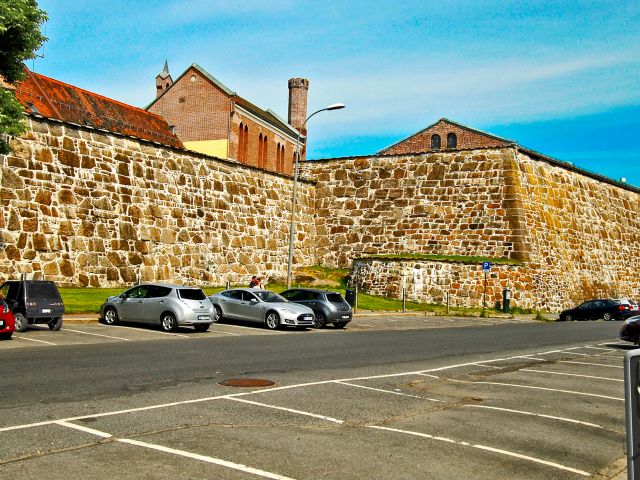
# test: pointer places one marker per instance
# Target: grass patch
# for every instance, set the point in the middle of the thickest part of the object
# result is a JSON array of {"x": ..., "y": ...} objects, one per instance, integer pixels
[
  {"x": 443, "y": 258},
  {"x": 86, "y": 300}
]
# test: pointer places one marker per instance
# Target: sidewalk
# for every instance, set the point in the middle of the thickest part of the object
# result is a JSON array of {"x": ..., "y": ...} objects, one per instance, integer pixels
[{"x": 616, "y": 471}]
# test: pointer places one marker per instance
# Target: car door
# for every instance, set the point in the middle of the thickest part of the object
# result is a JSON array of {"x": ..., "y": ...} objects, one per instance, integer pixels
[
  {"x": 11, "y": 293},
  {"x": 249, "y": 307},
  {"x": 598, "y": 310},
  {"x": 583, "y": 311},
  {"x": 154, "y": 303},
  {"x": 229, "y": 301},
  {"x": 130, "y": 307}
]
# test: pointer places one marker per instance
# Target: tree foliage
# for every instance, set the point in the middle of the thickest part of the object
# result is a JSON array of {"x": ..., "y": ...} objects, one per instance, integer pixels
[{"x": 20, "y": 38}]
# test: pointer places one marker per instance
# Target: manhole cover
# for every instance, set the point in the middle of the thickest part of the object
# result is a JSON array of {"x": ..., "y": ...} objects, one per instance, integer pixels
[{"x": 247, "y": 382}]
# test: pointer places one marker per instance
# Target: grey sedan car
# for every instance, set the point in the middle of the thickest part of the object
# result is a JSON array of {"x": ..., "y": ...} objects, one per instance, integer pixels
[
  {"x": 166, "y": 305},
  {"x": 261, "y": 306}
]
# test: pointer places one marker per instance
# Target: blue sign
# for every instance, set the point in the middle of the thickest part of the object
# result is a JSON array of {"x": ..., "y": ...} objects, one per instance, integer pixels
[{"x": 486, "y": 266}]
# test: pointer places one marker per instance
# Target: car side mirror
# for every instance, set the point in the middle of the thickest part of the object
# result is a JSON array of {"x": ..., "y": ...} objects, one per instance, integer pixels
[{"x": 254, "y": 300}]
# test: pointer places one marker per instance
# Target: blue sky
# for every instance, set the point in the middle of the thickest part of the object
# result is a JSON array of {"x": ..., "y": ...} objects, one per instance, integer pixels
[{"x": 559, "y": 77}]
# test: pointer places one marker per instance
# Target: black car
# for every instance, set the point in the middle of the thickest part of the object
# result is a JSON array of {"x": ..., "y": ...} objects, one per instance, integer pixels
[
  {"x": 328, "y": 307},
  {"x": 607, "y": 309},
  {"x": 33, "y": 301},
  {"x": 630, "y": 330}
]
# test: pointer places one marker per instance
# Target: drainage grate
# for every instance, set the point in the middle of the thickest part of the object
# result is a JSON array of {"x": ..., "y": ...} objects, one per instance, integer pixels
[{"x": 247, "y": 382}]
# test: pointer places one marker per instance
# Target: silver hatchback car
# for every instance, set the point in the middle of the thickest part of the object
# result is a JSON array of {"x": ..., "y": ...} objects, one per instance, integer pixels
[
  {"x": 263, "y": 306},
  {"x": 166, "y": 305}
]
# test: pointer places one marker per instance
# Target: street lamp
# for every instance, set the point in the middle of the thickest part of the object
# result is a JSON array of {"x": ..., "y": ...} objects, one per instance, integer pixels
[{"x": 292, "y": 229}]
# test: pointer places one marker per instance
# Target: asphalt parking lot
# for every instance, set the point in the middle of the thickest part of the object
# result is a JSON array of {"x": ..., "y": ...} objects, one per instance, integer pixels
[{"x": 551, "y": 413}]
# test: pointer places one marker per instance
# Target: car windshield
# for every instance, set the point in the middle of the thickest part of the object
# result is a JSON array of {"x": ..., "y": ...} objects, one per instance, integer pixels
[
  {"x": 192, "y": 294},
  {"x": 271, "y": 297}
]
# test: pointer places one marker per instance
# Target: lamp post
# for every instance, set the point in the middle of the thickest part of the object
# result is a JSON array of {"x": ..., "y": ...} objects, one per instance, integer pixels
[{"x": 292, "y": 227}]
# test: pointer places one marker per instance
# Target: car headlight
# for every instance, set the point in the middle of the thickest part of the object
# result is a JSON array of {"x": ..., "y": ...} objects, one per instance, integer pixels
[{"x": 289, "y": 311}]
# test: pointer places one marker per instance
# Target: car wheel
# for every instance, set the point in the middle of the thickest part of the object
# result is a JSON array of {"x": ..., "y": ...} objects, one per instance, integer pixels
[
  {"x": 320, "y": 320},
  {"x": 5, "y": 336},
  {"x": 55, "y": 324},
  {"x": 339, "y": 324},
  {"x": 272, "y": 320},
  {"x": 110, "y": 316},
  {"x": 568, "y": 318},
  {"x": 201, "y": 327},
  {"x": 21, "y": 322},
  {"x": 168, "y": 322},
  {"x": 217, "y": 314},
  {"x": 607, "y": 316}
]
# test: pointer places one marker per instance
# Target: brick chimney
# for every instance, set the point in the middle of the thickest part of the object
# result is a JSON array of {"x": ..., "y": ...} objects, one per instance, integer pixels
[
  {"x": 163, "y": 80},
  {"x": 298, "y": 88}
]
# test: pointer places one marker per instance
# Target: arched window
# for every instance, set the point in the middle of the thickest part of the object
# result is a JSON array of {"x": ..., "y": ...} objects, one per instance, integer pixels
[
  {"x": 263, "y": 163},
  {"x": 245, "y": 144},
  {"x": 260, "y": 150},
  {"x": 280, "y": 159},
  {"x": 435, "y": 142},
  {"x": 240, "y": 142},
  {"x": 452, "y": 140}
]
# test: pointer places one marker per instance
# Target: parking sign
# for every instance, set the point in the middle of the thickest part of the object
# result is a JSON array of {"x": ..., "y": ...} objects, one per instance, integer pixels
[{"x": 486, "y": 266}]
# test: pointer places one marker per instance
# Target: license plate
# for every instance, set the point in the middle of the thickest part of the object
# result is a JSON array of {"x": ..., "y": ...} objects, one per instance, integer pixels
[
  {"x": 1, "y": 323},
  {"x": 345, "y": 317},
  {"x": 308, "y": 317},
  {"x": 46, "y": 310},
  {"x": 204, "y": 317}
]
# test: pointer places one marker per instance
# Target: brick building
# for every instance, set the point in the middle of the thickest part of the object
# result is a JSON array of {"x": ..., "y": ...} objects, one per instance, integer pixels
[
  {"x": 445, "y": 134},
  {"x": 210, "y": 118}
]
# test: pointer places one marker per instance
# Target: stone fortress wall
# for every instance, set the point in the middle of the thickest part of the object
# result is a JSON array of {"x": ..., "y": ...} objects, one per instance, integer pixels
[
  {"x": 88, "y": 208},
  {"x": 568, "y": 236},
  {"x": 83, "y": 207}
]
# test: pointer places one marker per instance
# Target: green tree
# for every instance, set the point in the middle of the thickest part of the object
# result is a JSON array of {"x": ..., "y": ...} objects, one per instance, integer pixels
[{"x": 20, "y": 38}]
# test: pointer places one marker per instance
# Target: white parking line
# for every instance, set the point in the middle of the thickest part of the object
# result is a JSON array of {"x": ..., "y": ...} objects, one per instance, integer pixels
[
  {"x": 92, "y": 431},
  {"x": 95, "y": 334},
  {"x": 226, "y": 333},
  {"x": 365, "y": 325},
  {"x": 571, "y": 375},
  {"x": 204, "y": 458},
  {"x": 487, "y": 366},
  {"x": 600, "y": 348},
  {"x": 32, "y": 340},
  {"x": 563, "y": 419},
  {"x": 592, "y": 364},
  {"x": 483, "y": 447},
  {"x": 540, "y": 388},
  {"x": 387, "y": 391},
  {"x": 290, "y": 410},
  {"x": 150, "y": 331},
  {"x": 182, "y": 453}
]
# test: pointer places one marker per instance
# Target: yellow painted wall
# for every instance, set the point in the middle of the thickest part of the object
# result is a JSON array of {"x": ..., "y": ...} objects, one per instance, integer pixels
[{"x": 216, "y": 148}]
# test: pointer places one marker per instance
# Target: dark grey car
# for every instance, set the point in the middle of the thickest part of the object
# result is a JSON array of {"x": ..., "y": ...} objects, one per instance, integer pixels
[
  {"x": 33, "y": 301},
  {"x": 328, "y": 307},
  {"x": 166, "y": 305}
]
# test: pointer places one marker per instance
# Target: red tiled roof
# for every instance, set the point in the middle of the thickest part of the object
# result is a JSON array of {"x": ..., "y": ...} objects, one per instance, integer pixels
[{"x": 49, "y": 98}]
